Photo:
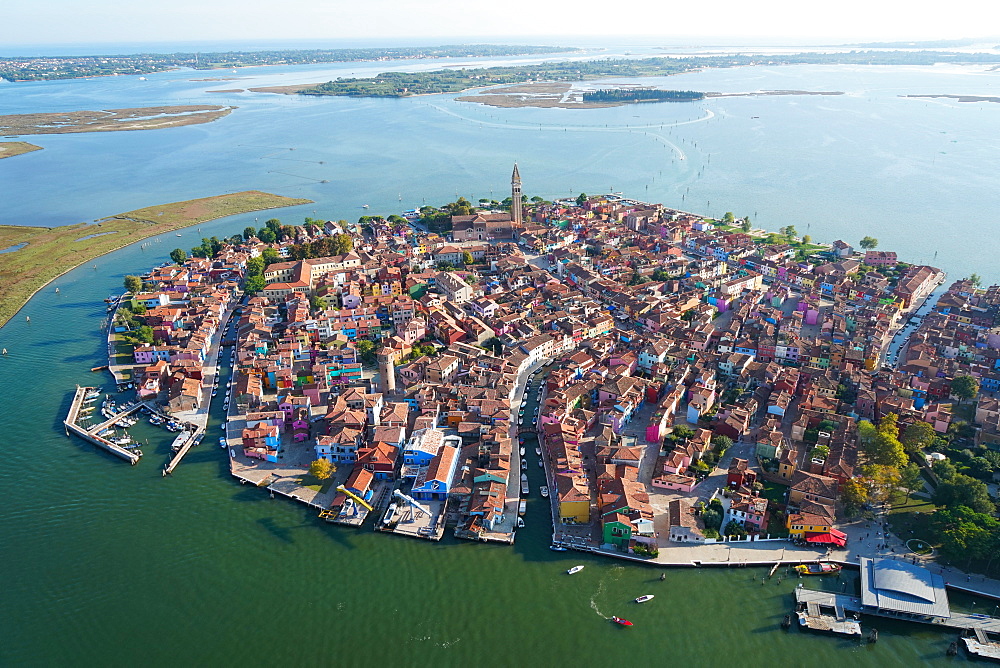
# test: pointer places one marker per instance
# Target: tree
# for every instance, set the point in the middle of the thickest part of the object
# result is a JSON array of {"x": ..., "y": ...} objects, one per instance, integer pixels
[
  {"x": 964, "y": 387},
  {"x": 273, "y": 224},
  {"x": 944, "y": 469},
  {"x": 178, "y": 255},
  {"x": 917, "y": 436},
  {"x": 735, "y": 529},
  {"x": 133, "y": 284},
  {"x": 581, "y": 199},
  {"x": 869, "y": 243},
  {"x": 683, "y": 431},
  {"x": 854, "y": 495},
  {"x": 467, "y": 258},
  {"x": 879, "y": 480},
  {"x": 321, "y": 469},
  {"x": 254, "y": 284},
  {"x": 788, "y": 231},
  {"x": 820, "y": 452},
  {"x": 712, "y": 519},
  {"x": 910, "y": 479},
  {"x": 342, "y": 244},
  {"x": 366, "y": 349},
  {"x": 722, "y": 443},
  {"x": 269, "y": 256},
  {"x": 745, "y": 225},
  {"x": 144, "y": 334},
  {"x": 806, "y": 239},
  {"x": 255, "y": 266},
  {"x": 963, "y": 490},
  {"x": 728, "y": 218},
  {"x": 316, "y": 303},
  {"x": 975, "y": 279},
  {"x": 249, "y": 233},
  {"x": 267, "y": 235}
]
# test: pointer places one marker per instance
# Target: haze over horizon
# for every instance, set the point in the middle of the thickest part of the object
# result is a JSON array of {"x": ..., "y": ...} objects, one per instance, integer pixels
[{"x": 393, "y": 21}]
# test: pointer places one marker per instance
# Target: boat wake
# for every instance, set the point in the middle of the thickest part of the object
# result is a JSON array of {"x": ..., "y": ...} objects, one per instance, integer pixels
[{"x": 615, "y": 573}]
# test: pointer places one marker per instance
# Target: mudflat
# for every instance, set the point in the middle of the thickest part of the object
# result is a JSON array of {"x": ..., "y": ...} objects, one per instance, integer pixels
[{"x": 110, "y": 120}]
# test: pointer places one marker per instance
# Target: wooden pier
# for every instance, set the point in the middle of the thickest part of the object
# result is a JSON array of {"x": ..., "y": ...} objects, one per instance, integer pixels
[
  {"x": 825, "y": 612},
  {"x": 91, "y": 435}
]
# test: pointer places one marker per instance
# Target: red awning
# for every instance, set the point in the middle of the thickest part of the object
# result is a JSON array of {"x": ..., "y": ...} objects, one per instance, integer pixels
[{"x": 830, "y": 538}]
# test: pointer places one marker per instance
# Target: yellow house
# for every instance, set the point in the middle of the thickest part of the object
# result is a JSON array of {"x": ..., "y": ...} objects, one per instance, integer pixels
[
  {"x": 798, "y": 524},
  {"x": 574, "y": 500}
]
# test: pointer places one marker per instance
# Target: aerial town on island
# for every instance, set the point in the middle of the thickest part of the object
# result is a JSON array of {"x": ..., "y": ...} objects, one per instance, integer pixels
[{"x": 680, "y": 382}]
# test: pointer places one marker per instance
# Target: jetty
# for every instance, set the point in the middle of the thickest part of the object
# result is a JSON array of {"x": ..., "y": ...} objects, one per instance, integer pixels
[
  {"x": 187, "y": 439},
  {"x": 92, "y": 434}
]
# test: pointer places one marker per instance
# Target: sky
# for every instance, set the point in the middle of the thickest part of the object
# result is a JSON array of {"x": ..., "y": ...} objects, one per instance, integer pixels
[{"x": 39, "y": 22}]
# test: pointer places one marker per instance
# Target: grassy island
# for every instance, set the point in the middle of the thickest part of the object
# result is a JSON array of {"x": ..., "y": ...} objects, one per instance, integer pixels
[
  {"x": 51, "y": 251},
  {"x": 8, "y": 149},
  {"x": 110, "y": 120}
]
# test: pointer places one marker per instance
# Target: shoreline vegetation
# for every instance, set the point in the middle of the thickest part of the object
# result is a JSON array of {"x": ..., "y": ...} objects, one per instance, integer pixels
[
  {"x": 78, "y": 67},
  {"x": 52, "y": 251},
  {"x": 457, "y": 80},
  {"x": 111, "y": 120},
  {"x": 9, "y": 149},
  {"x": 565, "y": 96}
]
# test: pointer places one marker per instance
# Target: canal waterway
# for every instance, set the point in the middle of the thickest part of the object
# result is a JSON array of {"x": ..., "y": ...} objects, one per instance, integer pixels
[{"x": 106, "y": 564}]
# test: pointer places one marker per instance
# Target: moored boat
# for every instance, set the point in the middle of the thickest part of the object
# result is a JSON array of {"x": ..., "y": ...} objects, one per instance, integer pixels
[
  {"x": 557, "y": 548},
  {"x": 575, "y": 569},
  {"x": 644, "y": 598},
  {"x": 544, "y": 491},
  {"x": 621, "y": 621},
  {"x": 821, "y": 568}
]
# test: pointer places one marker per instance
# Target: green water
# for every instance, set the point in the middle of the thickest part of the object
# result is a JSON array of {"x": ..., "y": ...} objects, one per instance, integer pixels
[{"x": 106, "y": 564}]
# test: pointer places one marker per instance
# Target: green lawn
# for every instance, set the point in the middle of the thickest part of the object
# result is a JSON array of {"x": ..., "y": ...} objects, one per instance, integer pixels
[
  {"x": 316, "y": 484},
  {"x": 912, "y": 515},
  {"x": 774, "y": 492}
]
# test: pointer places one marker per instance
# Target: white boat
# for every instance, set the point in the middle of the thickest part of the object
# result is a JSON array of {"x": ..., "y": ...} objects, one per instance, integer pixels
[
  {"x": 644, "y": 598},
  {"x": 522, "y": 452},
  {"x": 557, "y": 548},
  {"x": 539, "y": 463},
  {"x": 222, "y": 442},
  {"x": 544, "y": 491},
  {"x": 538, "y": 451},
  {"x": 575, "y": 569},
  {"x": 519, "y": 523}
]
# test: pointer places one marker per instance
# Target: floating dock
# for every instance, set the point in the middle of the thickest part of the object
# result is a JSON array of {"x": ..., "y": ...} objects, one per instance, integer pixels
[
  {"x": 825, "y": 612},
  {"x": 980, "y": 644}
]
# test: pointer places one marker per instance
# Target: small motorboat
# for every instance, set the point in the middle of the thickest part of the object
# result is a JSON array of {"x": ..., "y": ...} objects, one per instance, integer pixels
[
  {"x": 620, "y": 621},
  {"x": 522, "y": 452},
  {"x": 644, "y": 598},
  {"x": 538, "y": 451},
  {"x": 544, "y": 492},
  {"x": 557, "y": 548},
  {"x": 519, "y": 523},
  {"x": 786, "y": 623},
  {"x": 575, "y": 569},
  {"x": 539, "y": 463},
  {"x": 821, "y": 568}
]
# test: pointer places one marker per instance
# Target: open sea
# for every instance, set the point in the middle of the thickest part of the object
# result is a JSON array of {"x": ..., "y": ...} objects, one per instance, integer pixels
[{"x": 106, "y": 564}]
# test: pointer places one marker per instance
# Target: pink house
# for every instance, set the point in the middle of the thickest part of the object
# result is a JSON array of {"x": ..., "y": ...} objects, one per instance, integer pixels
[{"x": 675, "y": 482}]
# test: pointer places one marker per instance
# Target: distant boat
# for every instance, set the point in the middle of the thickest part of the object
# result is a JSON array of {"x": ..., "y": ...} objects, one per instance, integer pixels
[
  {"x": 364, "y": 206},
  {"x": 644, "y": 598},
  {"x": 622, "y": 622},
  {"x": 4, "y": 351},
  {"x": 575, "y": 569},
  {"x": 178, "y": 234},
  {"x": 557, "y": 548},
  {"x": 142, "y": 78},
  {"x": 57, "y": 290}
]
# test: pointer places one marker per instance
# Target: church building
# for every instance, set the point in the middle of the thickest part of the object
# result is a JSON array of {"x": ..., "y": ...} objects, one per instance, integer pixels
[{"x": 492, "y": 226}]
